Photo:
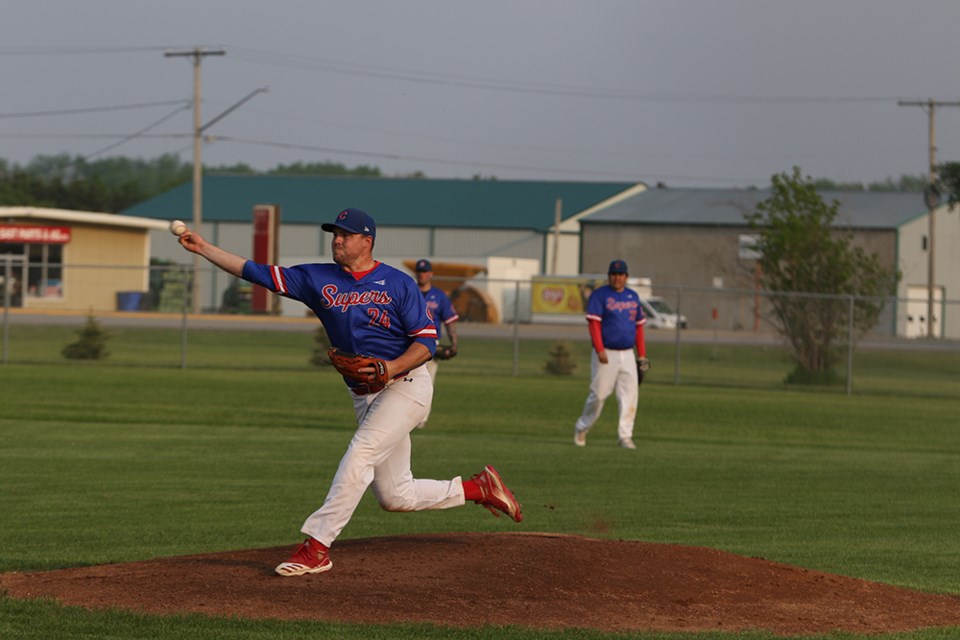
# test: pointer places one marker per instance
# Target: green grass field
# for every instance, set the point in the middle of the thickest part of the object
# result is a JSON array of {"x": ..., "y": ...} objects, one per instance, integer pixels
[{"x": 131, "y": 459}]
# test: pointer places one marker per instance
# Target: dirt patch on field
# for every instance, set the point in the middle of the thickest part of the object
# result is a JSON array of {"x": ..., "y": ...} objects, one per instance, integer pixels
[{"x": 531, "y": 580}]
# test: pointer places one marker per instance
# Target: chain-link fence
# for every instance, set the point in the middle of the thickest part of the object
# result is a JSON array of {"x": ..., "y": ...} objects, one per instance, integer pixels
[{"x": 695, "y": 335}]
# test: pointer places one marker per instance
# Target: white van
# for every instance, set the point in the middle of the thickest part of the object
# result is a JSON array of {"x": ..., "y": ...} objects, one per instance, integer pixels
[{"x": 660, "y": 315}]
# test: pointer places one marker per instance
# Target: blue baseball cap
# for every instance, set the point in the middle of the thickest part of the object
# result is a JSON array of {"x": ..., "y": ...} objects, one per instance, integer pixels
[
  {"x": 354, "y": 221},
  {"x": 423, "y": 265},
  {"x": 618, "y": 266}
]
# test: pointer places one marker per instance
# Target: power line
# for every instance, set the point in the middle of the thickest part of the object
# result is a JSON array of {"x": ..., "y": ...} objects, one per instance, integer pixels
[
  {"x": 117, "y": 107},
  {"x": 138, "y": 134},
  {"x": 286, "y": 60},
  {"x": 400, "y": 157},
  {"x": 88, "y": 136},
  {"x": 43, "y": 50},
  {"x": 435, "y": 78},
  {"x": 468, "y": 163}
]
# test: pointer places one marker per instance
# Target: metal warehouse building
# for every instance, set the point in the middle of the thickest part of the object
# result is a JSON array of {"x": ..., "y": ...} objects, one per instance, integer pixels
[
  {"x": 457, "y": 220},
  {"x": 693, "y": 238}
]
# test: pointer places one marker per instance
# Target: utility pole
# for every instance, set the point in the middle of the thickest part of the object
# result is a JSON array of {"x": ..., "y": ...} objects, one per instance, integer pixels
[
  {"x": 931, "y": 196},
  {"x": 557, "y": 216},
  {"x": 197, "y": 54}
]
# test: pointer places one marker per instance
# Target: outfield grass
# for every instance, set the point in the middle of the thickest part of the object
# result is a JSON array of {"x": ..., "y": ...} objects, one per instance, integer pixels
[
  {"x": 114, "y": 462},
  {"x": 923, "y": 373}
]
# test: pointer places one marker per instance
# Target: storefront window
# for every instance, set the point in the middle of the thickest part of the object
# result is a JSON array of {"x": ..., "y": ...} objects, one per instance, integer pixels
[
  {"x": 40, "y": 266},
  {"x": 12, "y": 254},
  {"x": 45, "y": 271},
  {"x": 35, "y": 255}
]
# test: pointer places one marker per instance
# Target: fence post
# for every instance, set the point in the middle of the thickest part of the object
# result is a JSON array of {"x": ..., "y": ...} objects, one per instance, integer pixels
[
  {"x": 850, "y": 345},
  {"x": 676, "y": 338},
  {"x": 185, "y": 303},
  {"x": 7, "y": 279},
  {"x": 516, "y": 328}
]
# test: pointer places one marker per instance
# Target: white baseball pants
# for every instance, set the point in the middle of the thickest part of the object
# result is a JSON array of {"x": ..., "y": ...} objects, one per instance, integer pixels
[
  {"x": 620, "y": 375},
  {"x": 432, "y": 368},
  {"x": 379, "y": 457}
]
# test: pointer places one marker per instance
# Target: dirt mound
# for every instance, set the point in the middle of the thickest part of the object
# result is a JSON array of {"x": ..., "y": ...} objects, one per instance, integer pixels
[{"x": 531, "y": 580}]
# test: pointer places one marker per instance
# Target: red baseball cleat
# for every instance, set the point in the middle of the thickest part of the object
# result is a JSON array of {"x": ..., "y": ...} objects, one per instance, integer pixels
[
  {"x": 494, "y": 494},
  {"x": 309, "y": 557}
]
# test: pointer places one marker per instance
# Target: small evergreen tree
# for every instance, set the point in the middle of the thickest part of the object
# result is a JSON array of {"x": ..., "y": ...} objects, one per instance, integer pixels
[
  {"x": 561, "y": 360},
  {"x": 91, "y": 343}
]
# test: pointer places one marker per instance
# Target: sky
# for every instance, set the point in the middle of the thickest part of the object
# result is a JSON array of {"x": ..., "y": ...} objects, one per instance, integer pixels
[{"x": 689, "y": 93}]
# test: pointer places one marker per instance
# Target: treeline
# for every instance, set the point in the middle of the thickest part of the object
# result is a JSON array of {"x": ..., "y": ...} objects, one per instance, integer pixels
[
  {"x": 904, "y": 183},
  {"x": 114, "y": 184}
]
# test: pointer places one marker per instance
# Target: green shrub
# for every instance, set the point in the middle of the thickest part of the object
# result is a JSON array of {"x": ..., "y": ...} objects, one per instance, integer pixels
[
  {"x": 561, "y": 361},
  {"x": 91, "y": 343}
]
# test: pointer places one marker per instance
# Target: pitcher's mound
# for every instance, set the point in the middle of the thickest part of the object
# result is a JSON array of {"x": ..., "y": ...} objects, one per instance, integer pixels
[{"x": 530, "y": 580}]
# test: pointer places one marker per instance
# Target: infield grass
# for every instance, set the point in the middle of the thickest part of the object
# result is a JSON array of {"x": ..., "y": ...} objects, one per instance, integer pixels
[{"x": 116, "y": 461}]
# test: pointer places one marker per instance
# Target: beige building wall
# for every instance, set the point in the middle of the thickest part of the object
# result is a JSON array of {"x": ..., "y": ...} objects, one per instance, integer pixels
[{"x": 99, "y": 262}]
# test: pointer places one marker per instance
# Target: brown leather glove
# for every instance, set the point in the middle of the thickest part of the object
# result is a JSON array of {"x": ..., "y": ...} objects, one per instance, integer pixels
[{"x": 349, "y": 365}]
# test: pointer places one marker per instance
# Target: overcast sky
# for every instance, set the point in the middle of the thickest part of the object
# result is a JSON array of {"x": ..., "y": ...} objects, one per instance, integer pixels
[{"x": 713, "y": 93}]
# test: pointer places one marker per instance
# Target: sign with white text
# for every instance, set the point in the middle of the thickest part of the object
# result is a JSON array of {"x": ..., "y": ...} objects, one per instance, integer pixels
[{"x": 34, "y": 234}]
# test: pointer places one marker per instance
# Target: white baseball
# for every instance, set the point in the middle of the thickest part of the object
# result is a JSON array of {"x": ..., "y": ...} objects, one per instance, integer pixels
[{"x": 178, "y": 228}]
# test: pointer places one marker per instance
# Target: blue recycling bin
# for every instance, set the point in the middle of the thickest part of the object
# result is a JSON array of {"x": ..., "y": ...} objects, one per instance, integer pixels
[{"x": 129, "y": 300}]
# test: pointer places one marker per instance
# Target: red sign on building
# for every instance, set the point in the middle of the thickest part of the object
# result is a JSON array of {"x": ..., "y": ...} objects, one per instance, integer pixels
[
  {"x": 34, "y": 234},
  {"x": 266, "y": 236}
]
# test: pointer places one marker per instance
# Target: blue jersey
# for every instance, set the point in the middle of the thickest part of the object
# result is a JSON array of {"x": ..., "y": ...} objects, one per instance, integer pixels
[
  {"x": 381, "y": 314},
  {"x": 619, "y": 315},
  {"x": 440, "y": 307}
]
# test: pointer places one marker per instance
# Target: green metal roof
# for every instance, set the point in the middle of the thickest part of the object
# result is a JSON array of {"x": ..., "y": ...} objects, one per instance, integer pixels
[
  {"x": 726, "y": 207},
  {"x": 500, "y": 204}
]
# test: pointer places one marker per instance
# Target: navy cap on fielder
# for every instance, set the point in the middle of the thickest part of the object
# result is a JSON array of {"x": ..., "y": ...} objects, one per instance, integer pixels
[
  {"x": 618, "y": 266},
  {"x": 423, "y": 265},
  {"x": 354, "y": 221}
]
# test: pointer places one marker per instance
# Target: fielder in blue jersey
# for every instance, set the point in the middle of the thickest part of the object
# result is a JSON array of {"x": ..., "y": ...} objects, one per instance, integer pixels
[
  {"x": 441, "y": 309},
  {"x": 615, "y": 319},
  {"x": 369, "y": 308}
]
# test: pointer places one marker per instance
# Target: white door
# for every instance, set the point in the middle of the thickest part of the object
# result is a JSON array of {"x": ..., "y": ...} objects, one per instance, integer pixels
[{"x": 917, "y": 307}]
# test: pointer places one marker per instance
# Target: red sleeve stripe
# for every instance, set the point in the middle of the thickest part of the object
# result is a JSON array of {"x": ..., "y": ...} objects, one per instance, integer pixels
[
  {"x": 596, "y": 335},
  {"x": 451, "y": 320},
  {"x": 278, "y": 283},
  {"x": 426, "y": 332},
  {"x": 590, "y": 317}
]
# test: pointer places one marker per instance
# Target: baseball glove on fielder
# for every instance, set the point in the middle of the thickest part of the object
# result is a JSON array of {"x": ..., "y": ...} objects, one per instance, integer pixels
[
  {"x": 349, "y": 365},
  {"x": 643, "y": 365},
  {"x": 445, "y": 352}
]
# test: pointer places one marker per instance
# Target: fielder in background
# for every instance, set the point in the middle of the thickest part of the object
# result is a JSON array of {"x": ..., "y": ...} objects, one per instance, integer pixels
[
  {"x": 615, "y": 319},
  {"x": 443, "y": 314},
  {"x": 369, "y": 308}
]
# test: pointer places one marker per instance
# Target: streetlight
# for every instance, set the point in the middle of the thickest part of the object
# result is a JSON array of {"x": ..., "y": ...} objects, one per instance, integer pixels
[{"x": 931, "y": 198}]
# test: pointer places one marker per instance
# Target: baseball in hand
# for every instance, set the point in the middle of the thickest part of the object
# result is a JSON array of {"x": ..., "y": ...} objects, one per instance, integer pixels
[{"x": 178, "y": 228}]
